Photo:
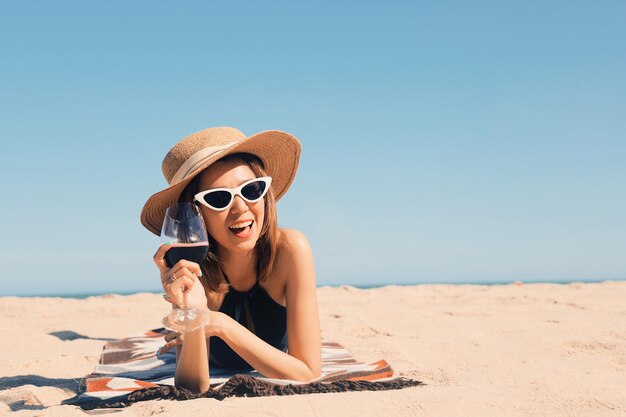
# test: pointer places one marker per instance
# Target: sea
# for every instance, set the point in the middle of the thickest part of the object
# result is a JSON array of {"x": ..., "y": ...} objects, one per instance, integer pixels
[{"x": 83, "y": 295}]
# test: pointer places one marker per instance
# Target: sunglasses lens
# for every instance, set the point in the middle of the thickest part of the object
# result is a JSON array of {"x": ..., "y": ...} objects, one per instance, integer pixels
[
  {"x": 254, "y": 190},
  {"x": 218, "y": 199}
]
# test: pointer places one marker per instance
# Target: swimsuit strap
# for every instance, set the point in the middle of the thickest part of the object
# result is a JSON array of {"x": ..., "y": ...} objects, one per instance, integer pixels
[
  {"x": 225, "y": 276},
  {"x": 256, "y": 283},
  {"x": 245, "y": 296}
]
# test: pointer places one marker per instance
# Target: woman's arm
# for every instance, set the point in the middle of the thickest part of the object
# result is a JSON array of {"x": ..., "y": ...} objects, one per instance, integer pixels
[
  {"x": 192, "y": 353},
  {"x": 192, "y": 362},
  {"x": 304, "y": 360}
]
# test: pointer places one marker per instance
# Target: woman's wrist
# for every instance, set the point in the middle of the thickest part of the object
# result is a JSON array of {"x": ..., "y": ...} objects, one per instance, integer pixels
[{"x": 219, "y": 324}]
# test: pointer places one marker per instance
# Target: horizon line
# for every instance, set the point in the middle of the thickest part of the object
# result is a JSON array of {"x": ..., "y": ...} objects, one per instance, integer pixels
[{"x": 83, "y": 295}]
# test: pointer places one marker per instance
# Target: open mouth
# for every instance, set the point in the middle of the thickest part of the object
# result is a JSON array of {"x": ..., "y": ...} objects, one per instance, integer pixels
[{"x": 242, "y": 231}]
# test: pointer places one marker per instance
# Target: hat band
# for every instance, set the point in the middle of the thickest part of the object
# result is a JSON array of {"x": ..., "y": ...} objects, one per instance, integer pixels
[{"x": 197, "y": 159}]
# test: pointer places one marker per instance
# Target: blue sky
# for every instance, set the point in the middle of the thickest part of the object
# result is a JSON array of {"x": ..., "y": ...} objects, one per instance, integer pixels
[{"x": 442, "y": 141}]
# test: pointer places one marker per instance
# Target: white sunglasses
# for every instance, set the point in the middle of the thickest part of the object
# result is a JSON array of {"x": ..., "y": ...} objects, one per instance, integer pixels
[{"x": 219, "y": 199}]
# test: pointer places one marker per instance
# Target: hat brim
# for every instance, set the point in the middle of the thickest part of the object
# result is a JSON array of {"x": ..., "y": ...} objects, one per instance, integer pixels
[{"x": 279, "y": 151}]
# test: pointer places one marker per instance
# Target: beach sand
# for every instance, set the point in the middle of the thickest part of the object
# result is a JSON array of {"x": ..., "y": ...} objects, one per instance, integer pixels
[{"x": 501, "y": 350}]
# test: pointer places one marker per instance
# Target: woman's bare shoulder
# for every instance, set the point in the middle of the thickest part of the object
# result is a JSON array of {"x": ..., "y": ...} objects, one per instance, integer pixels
[
  {"x": 293, "y": 251},
  {"x": 291, "y": 241}
]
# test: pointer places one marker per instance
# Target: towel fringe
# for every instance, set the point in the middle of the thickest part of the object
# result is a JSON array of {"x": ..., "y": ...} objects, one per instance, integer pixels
[{"x": 243, "y": 386}]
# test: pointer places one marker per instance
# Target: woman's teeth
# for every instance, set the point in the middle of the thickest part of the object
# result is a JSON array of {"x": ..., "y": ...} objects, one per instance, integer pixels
[
  {"x": 243, "y": 229},
  {"x": 241, "y": 225}
]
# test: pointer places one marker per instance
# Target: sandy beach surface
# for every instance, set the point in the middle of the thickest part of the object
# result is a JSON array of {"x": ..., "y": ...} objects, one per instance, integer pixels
[{"x": 501, "y": 350}]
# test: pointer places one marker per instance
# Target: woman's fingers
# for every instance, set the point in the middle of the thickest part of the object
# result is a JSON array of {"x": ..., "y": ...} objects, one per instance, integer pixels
[
  {"x": 178, "y": 279},
  {"x": 192, "y": 267},
  {"x": 182, "y": 268},
  {"x": 172, "y": 343},
  {"x": 169, "y": 336},
  {"x": 180, "y": 271},
  {"x": 179, "y": 282},
  {"x": 217, "y": 322},
  {"x": 159, "y": 259}
]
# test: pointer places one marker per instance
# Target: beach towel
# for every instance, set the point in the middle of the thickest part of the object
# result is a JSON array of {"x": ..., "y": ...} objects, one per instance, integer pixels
[{"x": 130, "y": 370}]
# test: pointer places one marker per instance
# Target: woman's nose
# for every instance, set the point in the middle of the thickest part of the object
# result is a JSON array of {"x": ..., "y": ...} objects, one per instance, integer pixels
[{"x": 239, "y": 205}]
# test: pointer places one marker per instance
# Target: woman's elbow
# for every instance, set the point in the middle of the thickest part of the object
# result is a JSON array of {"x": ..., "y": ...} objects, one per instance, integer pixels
[
  {"x": 312, "y": 373},
  {"x": 316, "y": 374},
  {"x": 304, "y": 374},
  {"x": 199, "y": 387}
]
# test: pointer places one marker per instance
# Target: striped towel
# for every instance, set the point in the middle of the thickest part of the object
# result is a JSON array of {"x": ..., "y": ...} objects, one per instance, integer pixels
[{"x": 130, "y": 370}]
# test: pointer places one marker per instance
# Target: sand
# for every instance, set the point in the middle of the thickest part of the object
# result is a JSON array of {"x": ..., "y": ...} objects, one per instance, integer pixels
[{"x": 512, "y": 350}]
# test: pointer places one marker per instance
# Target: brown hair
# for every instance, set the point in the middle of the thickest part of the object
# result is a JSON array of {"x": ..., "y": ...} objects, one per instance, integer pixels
[{"x": 212, "y": 274}]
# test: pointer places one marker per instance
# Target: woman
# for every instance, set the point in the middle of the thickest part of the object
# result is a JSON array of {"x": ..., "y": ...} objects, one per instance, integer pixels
[{"x": 258, "y": 281}]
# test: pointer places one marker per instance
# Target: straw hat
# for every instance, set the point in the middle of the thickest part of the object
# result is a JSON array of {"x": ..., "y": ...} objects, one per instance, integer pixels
[{"x": 279, "y": 151}]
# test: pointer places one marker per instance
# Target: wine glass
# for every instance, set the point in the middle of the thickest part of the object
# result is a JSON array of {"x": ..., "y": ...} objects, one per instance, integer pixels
[{"x": 184, "y": 230}]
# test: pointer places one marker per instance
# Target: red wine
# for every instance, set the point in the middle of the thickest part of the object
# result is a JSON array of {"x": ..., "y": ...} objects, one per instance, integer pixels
[{"x": 194, "y": 252}]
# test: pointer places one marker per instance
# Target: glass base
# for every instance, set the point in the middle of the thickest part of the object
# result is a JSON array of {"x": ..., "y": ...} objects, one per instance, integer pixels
[{"x": 186, "y": 319}]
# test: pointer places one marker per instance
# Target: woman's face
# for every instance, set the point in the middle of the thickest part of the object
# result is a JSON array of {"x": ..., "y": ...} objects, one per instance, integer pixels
[{"x": 231, "y": 174}]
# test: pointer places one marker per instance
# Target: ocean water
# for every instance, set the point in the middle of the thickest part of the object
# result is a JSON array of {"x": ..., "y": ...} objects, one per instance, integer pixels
[{"x": 360, "y": 286}]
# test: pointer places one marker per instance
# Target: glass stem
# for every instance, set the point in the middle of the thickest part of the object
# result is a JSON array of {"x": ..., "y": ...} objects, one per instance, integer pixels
[{"x": 185, "y": 292}]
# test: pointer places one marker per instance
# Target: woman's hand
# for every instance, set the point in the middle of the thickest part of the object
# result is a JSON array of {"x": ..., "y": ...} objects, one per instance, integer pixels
[
  {"x": 181, "y": 278},
  {"x": 218, "y": 321}
]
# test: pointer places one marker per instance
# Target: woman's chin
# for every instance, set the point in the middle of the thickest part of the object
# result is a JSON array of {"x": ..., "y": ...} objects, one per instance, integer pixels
[{"x": 241, "y": 245}]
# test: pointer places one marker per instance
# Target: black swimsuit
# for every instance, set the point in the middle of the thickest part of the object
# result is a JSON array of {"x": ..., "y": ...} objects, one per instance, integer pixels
[{"x": 257, "y": 311}]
